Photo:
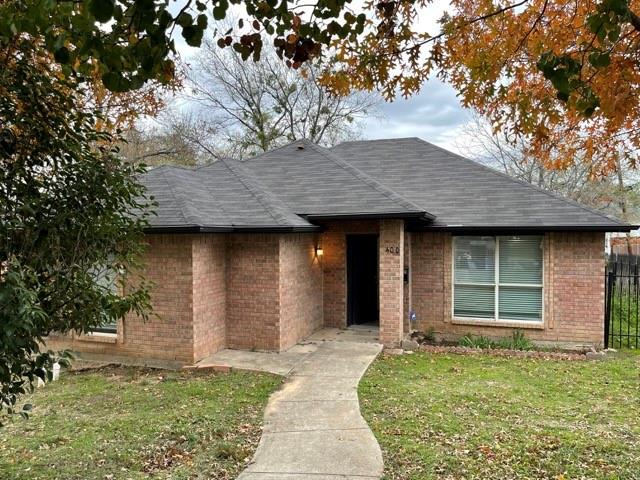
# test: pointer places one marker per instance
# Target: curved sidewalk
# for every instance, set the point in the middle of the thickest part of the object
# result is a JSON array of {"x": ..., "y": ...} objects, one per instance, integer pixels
[{"x": 312, "y": 426}]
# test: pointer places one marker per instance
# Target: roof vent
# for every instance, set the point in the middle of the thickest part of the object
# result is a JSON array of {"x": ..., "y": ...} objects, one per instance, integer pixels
[{"x": 300, "y": 147}]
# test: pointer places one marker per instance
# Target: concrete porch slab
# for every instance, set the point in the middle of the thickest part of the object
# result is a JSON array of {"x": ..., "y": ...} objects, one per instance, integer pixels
[
  {"x": 277, "y": 363},
  {"x": 355, "y": 333}
]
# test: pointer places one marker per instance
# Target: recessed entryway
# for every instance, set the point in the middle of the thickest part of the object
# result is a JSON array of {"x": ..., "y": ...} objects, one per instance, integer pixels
[{"x": 362, "y": 280}]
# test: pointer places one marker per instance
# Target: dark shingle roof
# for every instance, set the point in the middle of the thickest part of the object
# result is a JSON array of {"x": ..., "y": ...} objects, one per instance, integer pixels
[
  {"x": 315, "y": 182},
  {"x": 462, "y": 193},
  {"x": 288, "y": 188},
  {"x": 222, "y": 196}
]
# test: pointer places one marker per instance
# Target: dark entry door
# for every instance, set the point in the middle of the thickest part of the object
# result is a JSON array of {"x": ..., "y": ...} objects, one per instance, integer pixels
[{"x": 362, "y": 279}]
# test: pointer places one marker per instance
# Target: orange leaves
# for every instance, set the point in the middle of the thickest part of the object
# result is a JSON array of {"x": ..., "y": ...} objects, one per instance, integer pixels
[
  {"x": 490, "y": 50},
  {"x": 494, "y": 66}
]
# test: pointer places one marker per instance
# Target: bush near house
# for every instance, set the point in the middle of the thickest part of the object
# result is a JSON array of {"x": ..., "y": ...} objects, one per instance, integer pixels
[
  {"x": 517, "y": 341},
  {"x": 482, "y": 417},
  {"x": 134, "y": 423}
]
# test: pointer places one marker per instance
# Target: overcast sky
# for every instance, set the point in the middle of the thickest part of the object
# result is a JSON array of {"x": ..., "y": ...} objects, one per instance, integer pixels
[{"x": 434, "y": 115}]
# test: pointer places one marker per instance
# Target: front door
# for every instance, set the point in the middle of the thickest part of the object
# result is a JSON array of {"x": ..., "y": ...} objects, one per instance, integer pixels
[{"x": 362, "y": 279}]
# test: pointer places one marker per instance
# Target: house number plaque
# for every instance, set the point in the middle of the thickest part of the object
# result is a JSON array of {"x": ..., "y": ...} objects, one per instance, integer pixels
[{"x": 392, "y": 250}]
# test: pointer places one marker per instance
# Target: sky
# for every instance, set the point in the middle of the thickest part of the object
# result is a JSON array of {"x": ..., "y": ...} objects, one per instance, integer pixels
[{"x": 434, "y": 115}]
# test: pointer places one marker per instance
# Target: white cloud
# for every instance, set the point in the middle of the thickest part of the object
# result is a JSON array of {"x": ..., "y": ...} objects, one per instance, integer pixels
[{"x": 434, "y": 115}]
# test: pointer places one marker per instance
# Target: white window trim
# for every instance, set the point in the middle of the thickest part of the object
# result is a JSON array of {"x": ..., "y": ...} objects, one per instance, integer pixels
[{"x": 496, "y": 321}]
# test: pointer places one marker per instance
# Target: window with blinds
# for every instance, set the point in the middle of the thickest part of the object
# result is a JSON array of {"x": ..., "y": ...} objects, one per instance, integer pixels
[{"x": 498, "y": 278}]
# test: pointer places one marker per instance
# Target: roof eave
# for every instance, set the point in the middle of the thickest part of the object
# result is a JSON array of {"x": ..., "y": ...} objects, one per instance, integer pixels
[
  {"x": 366, "y": 216},
  {"x": 182, "y": 229},
  {"x": 461, "y": 229}
]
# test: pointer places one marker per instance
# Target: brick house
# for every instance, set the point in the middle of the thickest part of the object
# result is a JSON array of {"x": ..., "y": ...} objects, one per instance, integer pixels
[{"x": 258, "y": 254}]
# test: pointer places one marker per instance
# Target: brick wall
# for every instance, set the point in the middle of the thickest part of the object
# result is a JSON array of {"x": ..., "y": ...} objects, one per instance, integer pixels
[
  {"x": 253, "y": 296},
  {"x": 300, "y": 288},
  {"x": 406, "y": 306},
  {"x": 209, "y": 294},
  {"x": 391, "y": 256},
  {"x": 168, "y": 334},
  {"x": 573, "y": 288}
]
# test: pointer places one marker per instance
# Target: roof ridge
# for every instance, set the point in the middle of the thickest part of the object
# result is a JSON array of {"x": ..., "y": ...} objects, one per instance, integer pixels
[
  {"x": 527, "y": 184},
  {"x": 275, "y": 207},
  {"x": 182, "y": 204},
  {"x": 255, "y": 157},
  {"x": 374, "y": 140},
  {"x": 369, "y": 180}
]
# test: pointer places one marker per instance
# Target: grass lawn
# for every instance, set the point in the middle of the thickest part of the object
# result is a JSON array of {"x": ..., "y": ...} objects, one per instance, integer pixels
[
  {"x": 482, "y": 417},
  {"x": 132, "y": 423}
]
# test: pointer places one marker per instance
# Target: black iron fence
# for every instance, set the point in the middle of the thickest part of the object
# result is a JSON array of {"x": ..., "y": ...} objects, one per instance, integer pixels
[{"x": 621, "y": 308}]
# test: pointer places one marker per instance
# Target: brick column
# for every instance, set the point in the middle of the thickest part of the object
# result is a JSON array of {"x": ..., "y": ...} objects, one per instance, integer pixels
[{"x": 391, "y": 282}]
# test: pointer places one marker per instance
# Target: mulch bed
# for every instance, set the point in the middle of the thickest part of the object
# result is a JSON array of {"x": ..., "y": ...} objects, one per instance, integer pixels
[{"x": 540, "y": 354}]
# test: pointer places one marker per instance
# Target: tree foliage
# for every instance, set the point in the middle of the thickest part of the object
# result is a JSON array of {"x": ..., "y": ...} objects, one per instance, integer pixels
[
  {"x": 72, "y": 215},
  {"x": 563, "y": 73}
]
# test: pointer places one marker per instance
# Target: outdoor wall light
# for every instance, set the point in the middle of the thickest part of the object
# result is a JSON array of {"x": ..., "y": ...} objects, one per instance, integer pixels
[{"x": 319, "y": 251}]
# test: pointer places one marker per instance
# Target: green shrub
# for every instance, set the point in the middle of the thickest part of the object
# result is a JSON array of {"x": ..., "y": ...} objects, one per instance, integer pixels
[
  {"x": 517, "y": 341},
  {"x": 473, "y": 341}
]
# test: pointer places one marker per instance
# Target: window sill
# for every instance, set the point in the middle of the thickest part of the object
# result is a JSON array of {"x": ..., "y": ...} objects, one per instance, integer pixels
[
  {"x": 98, "y": 337},
  {"x": 499, "y": 323}
]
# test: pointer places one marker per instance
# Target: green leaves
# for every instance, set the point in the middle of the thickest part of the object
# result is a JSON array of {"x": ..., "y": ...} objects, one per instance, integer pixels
[
  {"x": 220, "y": 9},
  {"x": 70, "y": 208},
  {"x": 599, "y": 59},
  {"x": 606, "y": 22},
  {"x": 564, "y": 72},
  {"x": 192, "y": 32},
  {"x": 102, "y": 10}
]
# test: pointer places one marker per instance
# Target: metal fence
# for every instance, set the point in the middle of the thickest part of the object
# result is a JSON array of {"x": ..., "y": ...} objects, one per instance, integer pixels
[{"x": 622, "y": 296}]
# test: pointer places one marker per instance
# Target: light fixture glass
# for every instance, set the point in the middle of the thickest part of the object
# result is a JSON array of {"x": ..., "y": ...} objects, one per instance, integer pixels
[{"x": 319, "y": 251}]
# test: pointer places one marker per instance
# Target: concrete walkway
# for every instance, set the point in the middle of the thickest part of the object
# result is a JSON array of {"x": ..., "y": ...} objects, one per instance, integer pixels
[{"x": 312, "y": 427}]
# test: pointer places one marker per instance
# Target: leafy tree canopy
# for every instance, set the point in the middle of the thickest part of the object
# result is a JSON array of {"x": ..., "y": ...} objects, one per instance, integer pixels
[
  {"x": 72, "y": 218},
  {"x": 564, "y": 73}
]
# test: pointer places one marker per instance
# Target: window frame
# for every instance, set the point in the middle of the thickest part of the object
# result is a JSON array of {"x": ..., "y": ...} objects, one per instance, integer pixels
[
  {"x": 105, "y": 330},
  {"x": 496, "y": 320}
]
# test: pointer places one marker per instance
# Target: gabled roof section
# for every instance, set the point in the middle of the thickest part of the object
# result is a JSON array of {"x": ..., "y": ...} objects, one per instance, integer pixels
[
  {"x": 463, "y": 194},
  {"x": 316, "y": 184},
  {"x": 221, "y": 197}
]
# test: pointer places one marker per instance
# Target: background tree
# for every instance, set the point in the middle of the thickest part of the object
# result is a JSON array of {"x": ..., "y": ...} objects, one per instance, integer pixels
[
  {"x": 174, "y": 137},
  {"x": 257, "y": 106},
  {"x": 231, "y": 108}
]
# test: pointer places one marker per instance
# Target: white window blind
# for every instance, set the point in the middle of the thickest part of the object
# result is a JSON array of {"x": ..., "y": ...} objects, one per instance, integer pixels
[{"x": 498, "y": 278}]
